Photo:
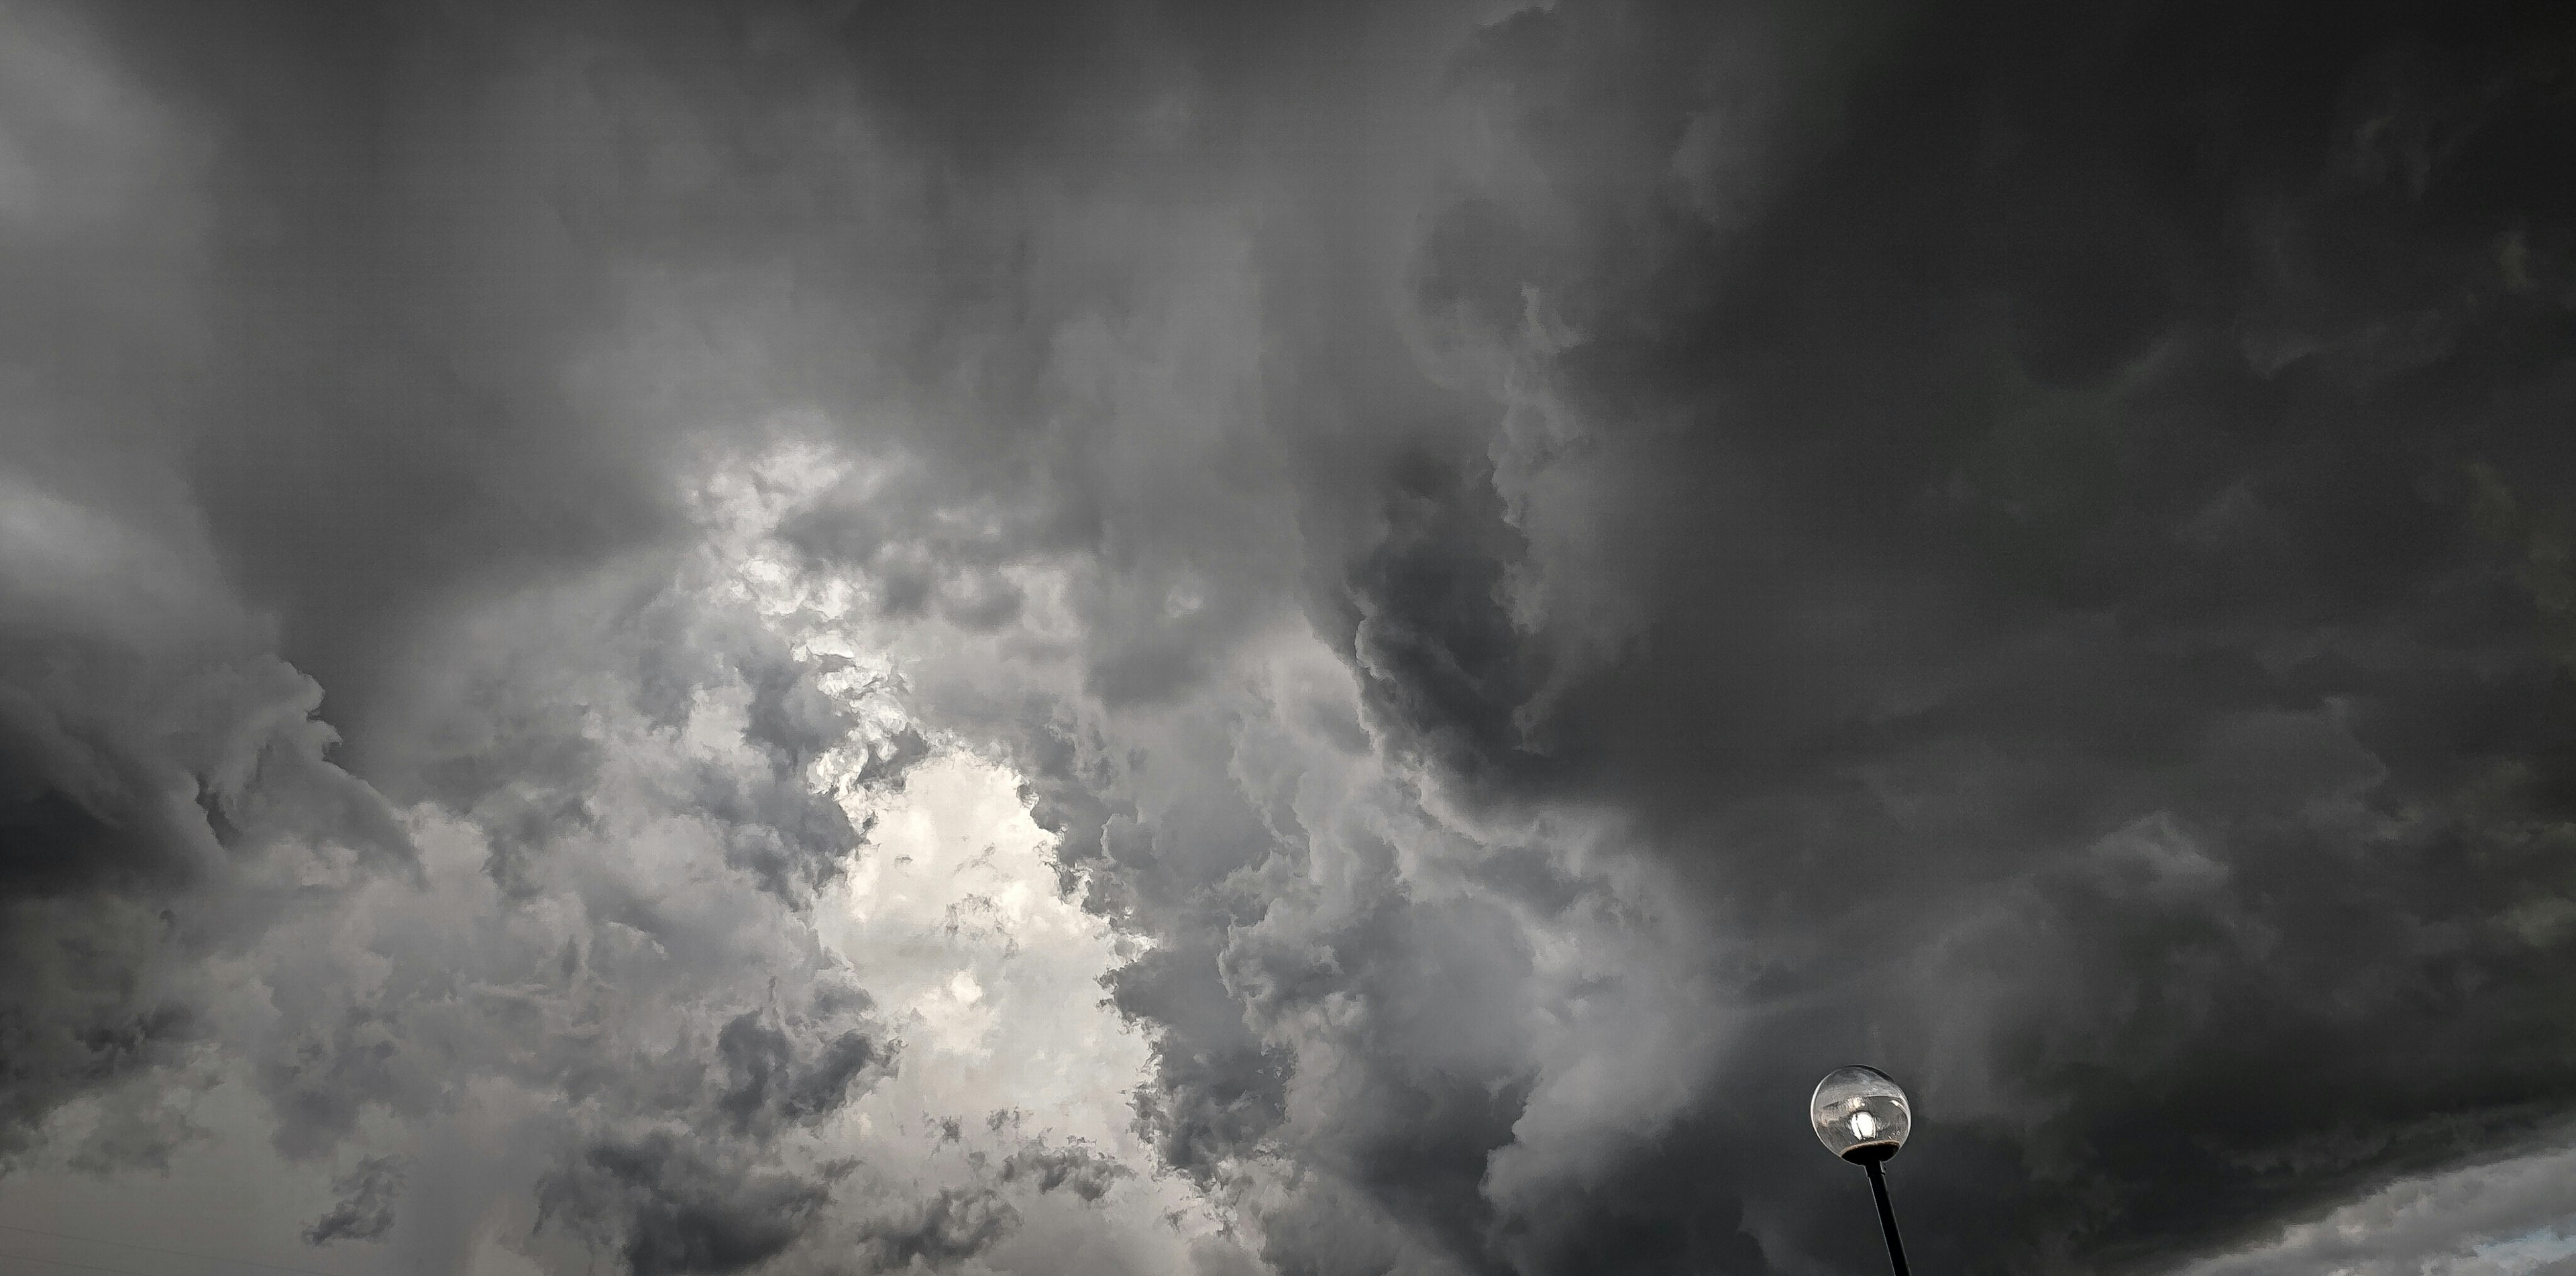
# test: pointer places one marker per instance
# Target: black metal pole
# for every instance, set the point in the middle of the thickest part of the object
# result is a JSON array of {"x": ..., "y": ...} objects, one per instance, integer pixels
[{"x": 1887, "y": 1220}]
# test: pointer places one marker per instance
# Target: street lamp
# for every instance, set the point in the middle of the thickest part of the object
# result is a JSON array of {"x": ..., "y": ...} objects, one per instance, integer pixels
[{"x": 1863, "y": 1117}]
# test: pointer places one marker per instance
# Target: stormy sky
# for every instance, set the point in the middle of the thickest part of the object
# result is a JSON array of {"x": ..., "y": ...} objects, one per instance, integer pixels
[{"x": 839, "y": 636}]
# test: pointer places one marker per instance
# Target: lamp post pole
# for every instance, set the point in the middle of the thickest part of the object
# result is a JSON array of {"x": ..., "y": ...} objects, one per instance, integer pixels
[
  {"x": 1886, "y": 1216},
  {"x": 1863, "y": 1117}
]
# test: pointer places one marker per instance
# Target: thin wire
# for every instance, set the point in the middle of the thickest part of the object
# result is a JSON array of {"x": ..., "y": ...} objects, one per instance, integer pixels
[
  {"x": 65, "y": 1262},
  {"x": 155, "y": 1249}
]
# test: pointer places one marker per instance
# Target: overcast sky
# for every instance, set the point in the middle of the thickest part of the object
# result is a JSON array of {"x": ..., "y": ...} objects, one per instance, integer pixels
[{"x": 833, "y": 636}]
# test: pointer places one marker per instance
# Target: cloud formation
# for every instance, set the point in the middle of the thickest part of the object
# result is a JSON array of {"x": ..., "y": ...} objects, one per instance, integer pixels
[{"x": 825, "y": 637}]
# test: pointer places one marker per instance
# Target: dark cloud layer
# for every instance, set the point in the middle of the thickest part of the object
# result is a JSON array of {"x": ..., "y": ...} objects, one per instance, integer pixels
[
  {"x": 1560, "y": 571},
  {"x": 2060, "y": 563}
]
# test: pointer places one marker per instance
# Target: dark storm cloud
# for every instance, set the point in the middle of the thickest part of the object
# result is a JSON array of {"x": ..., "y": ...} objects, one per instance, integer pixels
[
  {"x": 163, "y": 784},
  {"x": 2059, "y": 488},
  {"x": 2024, "y": 543},
  {"x": 365, "y": 1211},
  {"x": 1076, "y": 1169},
  {"x": 385, "y": 292},
  {"x": 1218, "y": 1087},
  {"x": 366, "y": 258},
  {"x": 677, "y": 1211},
  {"x": 771, "y": 1084},
  {"x": 2027, "y": 510},
  {"x": 955, "y": 1224}
]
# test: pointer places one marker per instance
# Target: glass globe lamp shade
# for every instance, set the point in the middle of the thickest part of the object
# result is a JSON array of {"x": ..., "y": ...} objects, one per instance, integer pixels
[{"x": 1860, "y": 1115}]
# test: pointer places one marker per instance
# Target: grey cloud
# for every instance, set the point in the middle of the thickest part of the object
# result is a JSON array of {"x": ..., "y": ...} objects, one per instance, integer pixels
[
  {"x": 675, "y": 1210},
  {"x": 1218, "y": 1087},
  {"x": 365, "y": 1211},
  {"x": 321, "y": 1078},
  {"x": 2465, "y": 1220},
  {"x": 957, "y": 1224},
  {"x": 522, "y": 767},
  {"x": 1076, "y": 1168},
  {"x": 146, "y": 1130},
  {"x": 952, "y": 1225},
  {"x": 2022, "y": 543},
  {"x": 770, "y": 1084},
  {"x": 605, "y": 963},
  {"x": 72, "y": 1034},
  {"x": 1809, "y": 715},
  {"x": 1898, "y": 550},
  {"x": 165, "y": 791}
]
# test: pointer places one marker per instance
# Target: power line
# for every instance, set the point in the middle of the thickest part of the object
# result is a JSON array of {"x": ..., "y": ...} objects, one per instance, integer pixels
[
  {"x": 65, "y": 1262},
  {"x": 154, "y": 1249}
]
